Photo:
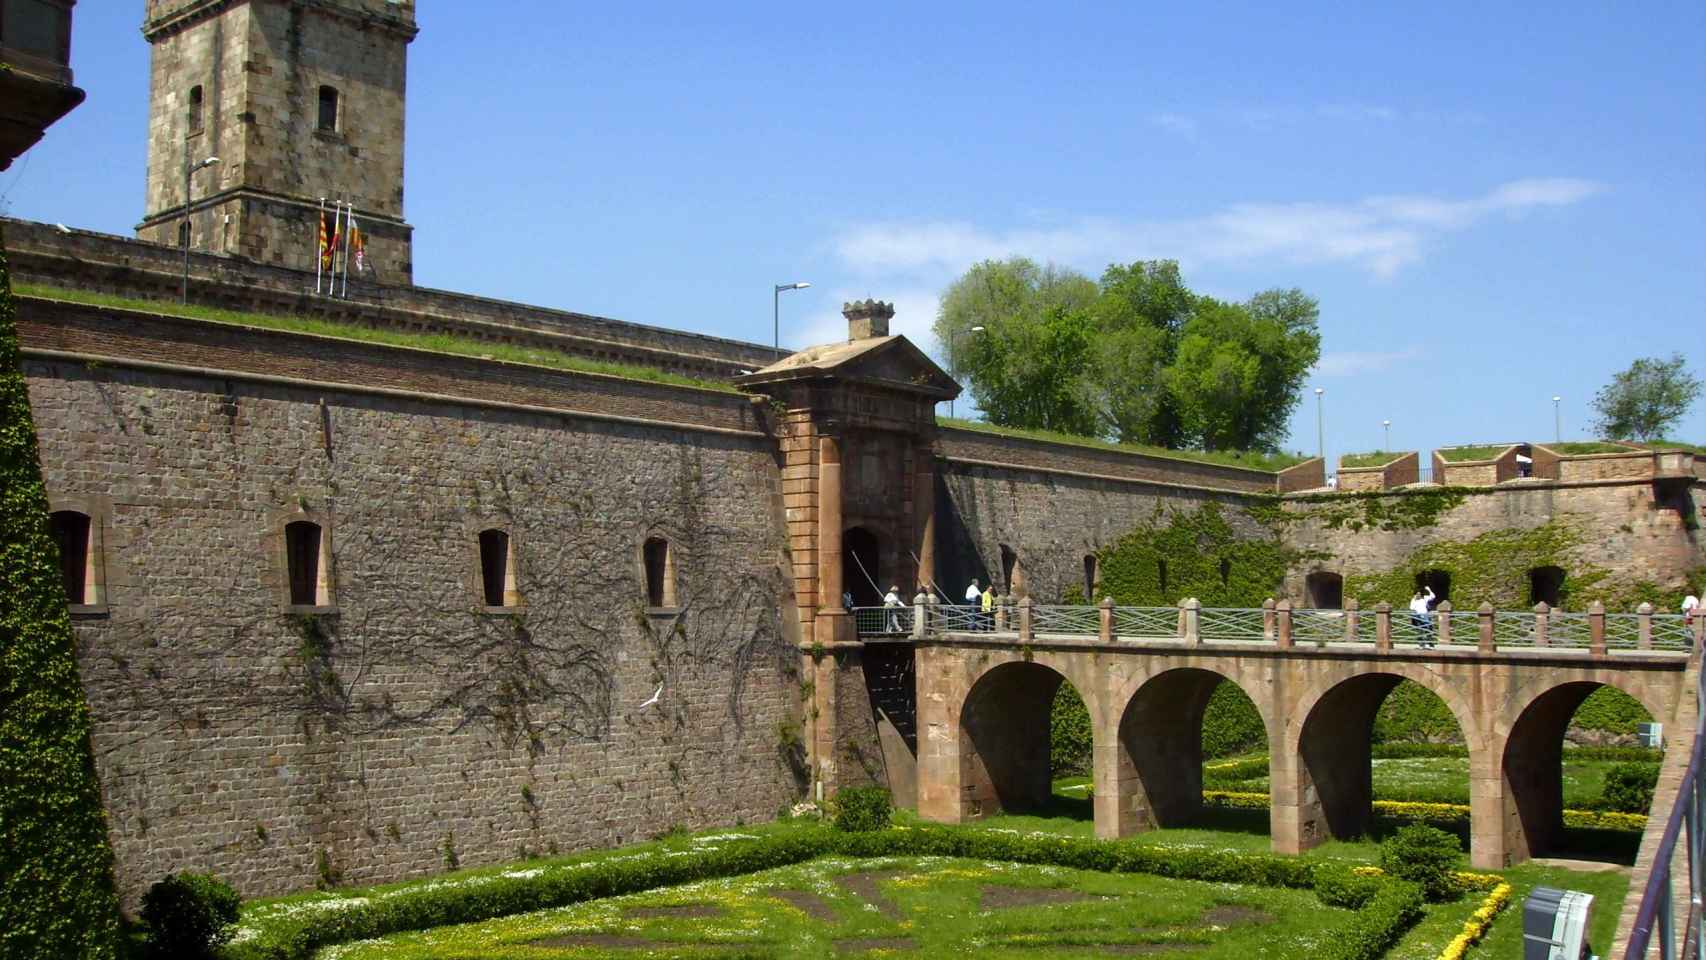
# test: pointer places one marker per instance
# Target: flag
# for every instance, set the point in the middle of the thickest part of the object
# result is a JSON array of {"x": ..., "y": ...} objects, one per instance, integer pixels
[
  {"x": 337, "y": 238},
  {"x": 357, "y": 244},
  {"x": 325, "y": 242}
]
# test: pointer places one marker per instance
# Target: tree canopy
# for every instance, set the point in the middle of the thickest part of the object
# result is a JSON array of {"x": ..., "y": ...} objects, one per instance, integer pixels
[
  {"x": 1135, "y": 357},
  {"x": 1646, "y": 400}
]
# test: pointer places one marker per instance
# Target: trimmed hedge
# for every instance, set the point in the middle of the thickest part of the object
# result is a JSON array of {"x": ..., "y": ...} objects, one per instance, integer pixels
[
  {"x": 1426, "y": 856},
  {"x": 1629, "y": 787},
  {"x": 859, "y": 809},
  {"x": 296, "y": 935},
  {"x": 56, "y": 868},
  {"x": 189, "y": 915}
]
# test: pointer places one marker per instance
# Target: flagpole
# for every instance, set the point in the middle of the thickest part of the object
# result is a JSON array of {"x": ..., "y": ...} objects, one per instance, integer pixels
[
  {"x": 349, "y": 218},
  {"x": 320, "y": 245}
]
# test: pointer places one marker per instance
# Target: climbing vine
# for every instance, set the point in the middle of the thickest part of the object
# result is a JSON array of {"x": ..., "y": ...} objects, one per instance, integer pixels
[
  {"x": 1196, "y": 553},
  {"x": 56, "y": 868}
]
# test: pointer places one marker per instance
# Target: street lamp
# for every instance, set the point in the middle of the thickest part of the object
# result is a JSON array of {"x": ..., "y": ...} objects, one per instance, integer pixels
[
  {"x": 184, "y": 291},
  {"x": 1320, "y": 432},
  {"x": 954, "y": 335},
  {"x": 1557, "y": 422},
  {"x": 1387, "y": 446},
  {"x": 776, "y": 309}
]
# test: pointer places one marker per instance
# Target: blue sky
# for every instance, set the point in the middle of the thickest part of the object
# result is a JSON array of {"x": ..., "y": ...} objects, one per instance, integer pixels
[{"x": 1493, "y": 206}]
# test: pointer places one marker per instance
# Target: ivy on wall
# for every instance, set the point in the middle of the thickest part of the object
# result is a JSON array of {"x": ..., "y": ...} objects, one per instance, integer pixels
[
  {"x": 1194, "y": 553},
  {"x": 56, "y": 882}
]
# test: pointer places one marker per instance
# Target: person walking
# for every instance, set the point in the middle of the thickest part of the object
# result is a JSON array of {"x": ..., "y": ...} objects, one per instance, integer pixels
[
  {"x": 892, "y": 604},
  {"x": 987, "y": 602},
  {"x": 1419, "y": 606},
  {"x": 974, "y": 593}
]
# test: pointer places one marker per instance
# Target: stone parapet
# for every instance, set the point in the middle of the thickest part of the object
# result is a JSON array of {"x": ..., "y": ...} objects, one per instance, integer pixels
[
  {"x": 1401, "y": 470},
  {"x": 1477, "y": 473},
  {"x": 95, "y": 262},
  {"x": 979, "y": 447}
]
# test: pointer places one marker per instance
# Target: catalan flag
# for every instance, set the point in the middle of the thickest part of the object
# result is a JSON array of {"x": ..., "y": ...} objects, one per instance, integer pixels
[{"x": 357, "y": 243}]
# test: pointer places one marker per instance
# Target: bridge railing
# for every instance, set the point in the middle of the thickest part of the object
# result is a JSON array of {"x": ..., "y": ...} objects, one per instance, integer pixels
[
  {"x": 1686, "y": 825},
  {"x": 1446, "y": 627}
]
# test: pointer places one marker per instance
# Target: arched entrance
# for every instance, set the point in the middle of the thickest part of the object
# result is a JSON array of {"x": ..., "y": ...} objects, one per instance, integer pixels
[
  {"x": 861, "y": 567},
  {"x": 1005, "y": 740},
  {"x": 1324, "y": 590}
]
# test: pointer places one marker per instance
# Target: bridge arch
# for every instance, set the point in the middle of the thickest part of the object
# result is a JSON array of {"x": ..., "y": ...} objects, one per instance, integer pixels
[
  {"x": 1153, "y": 775},
  {"x": 1004, "y": 736},
  {"x": 1322, "y": 780},
  {"x": 1528, "y": 740}
]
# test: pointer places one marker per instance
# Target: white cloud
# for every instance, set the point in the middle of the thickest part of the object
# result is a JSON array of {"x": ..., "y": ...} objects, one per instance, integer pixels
[
  {"x": 1349, "y": 363},
  {"x": 1380, "y": 234}
]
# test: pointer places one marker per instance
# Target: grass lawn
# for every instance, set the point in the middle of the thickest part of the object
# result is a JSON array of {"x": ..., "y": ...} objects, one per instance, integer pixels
[
  {"x": 1250, "y": 460},
  {"x": 1461, "y": 454},
  {"x": 1584, "y": 447},
  {"x": 1374, "y": 458},
  {"x": 926, "y": 907}
]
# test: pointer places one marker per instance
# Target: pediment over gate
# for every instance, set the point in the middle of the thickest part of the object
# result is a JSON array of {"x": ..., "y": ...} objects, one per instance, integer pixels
[{"x": 891, "y": 362}]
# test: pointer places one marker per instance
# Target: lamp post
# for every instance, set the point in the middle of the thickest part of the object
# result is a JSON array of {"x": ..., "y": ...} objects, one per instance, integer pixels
[
  {"x": 1320, "y": 428},
  {"x": 776, "y": 310},
  {"x": 1557, "y": 422},
  {"x": 1387, "y": 445},
  {"x": 184, "y": 291},
  {"x": 954, "y": 335}
]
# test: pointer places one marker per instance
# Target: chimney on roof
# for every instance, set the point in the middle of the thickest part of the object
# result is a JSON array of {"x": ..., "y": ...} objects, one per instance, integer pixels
[{"x": 867, "y": 318}]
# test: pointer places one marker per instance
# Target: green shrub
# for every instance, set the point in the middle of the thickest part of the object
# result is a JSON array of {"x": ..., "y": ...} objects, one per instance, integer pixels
[
  {"x": 1423, "y": 855},
  {"x": 1336, "y": 885},
  {"x": 56, "y": 867},
  {"x": 189, "y": 915},
  {"x": 1377, "y": 925},
  {"x": 1222, "y": 775},
  {"x": 1069, "y": 733},
  {"x": 858, "y": 809},
  {"x": 1412, "y": 713},
  {"x": 1610, "y": 710},
  {"x": 1629, "y": 787},
  {"x": 1231, "y": 723}
]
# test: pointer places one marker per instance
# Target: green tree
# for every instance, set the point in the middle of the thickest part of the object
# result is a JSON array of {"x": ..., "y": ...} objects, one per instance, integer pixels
[
  {"x": 56, "y": 879},
  {"x": 1136, "y": 357},
  {"x": 1646, "y": 400}
]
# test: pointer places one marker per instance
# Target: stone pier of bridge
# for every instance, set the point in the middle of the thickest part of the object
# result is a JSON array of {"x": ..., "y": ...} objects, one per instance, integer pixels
[{"x": 984, "y": 701}]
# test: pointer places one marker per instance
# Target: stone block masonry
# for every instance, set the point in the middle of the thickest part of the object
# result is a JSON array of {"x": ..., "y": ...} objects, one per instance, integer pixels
[{"x": 408, "y": 726}]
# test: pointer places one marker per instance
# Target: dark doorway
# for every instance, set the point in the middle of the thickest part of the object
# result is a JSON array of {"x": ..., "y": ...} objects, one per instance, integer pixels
[
  {"x": 1091, "y": 578},
  {"x": 1325, "y": 591},
  {"x": 861, "y": 571},
  {"x": 1439, "y": 581},
  {"x": 1009, "y": 564},
  {"x": 1546, "y": 585}
]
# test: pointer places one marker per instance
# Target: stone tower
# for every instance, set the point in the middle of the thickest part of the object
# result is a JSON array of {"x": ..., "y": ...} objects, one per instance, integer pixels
[{"x": 299, "y": 99}]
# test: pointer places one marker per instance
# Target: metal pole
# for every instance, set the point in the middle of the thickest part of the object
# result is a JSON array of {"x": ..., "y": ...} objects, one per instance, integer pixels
[
  {"x": 1387, "y": 424},
  {"x": 951, "y": 335},
  {"x": 1557, "y": 422},
  {"x": 1320, "y": 427},
  {"x": 776, "y": 319},
  {"x": 184, "y": 240}
]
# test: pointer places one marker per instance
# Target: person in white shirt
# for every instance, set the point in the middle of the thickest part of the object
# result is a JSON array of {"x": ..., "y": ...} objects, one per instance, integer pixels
[
  {"x": 974, "y": 597},
  {"x": 891, "y": 601},
  {"x": 1690, "y": 607},
  {"x": 1419, "y": 605}
]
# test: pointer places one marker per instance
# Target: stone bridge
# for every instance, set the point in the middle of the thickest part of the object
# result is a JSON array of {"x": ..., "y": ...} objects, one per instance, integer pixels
[{"x": 984, "y": 698}]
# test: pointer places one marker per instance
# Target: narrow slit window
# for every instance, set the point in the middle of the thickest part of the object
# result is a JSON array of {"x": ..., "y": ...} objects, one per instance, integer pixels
[
  {"x": 329, "y": 109},
  {"x": 302, "y": 559},
  {"x": 660, "y": 573},
  {"x": 71, "y": 532},
  {"x": 195, "y": 109},
  {"x": 496, "y": 578},
  {"x": 1091, "y": 577}
]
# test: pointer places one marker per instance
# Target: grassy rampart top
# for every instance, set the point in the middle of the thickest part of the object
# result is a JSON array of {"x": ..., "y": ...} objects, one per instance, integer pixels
[
  {"x": 1374, "y": 458},
  {"x": 1254, "y": 461},
  {"x": 1582, "y": 448},
  {"x": 1467, "y": 454},
  {"x": 456, "y": 344}
]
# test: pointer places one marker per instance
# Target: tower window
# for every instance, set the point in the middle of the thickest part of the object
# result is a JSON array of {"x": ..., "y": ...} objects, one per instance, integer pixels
[
  {"x": 329, "y": 109},
  {"x": 195, "y": 109},
  {"x": 660, "y": 573},
  {"x": 302, "y": 545},
  {"x": 497, "y": 574},
  {"x": 1092, "y": 576},
  {"x": 71, "y": 532}
]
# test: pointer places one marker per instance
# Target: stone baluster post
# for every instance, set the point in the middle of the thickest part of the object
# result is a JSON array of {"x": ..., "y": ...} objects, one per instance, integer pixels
[
  {"x": 1268, "y": 620},
  {"x": 1699, "y": 630},
  {"x": 1353, "y": 615},
  {"x": 1383, "y": 626},
  {"x": 1025, "y": 605},
  {"x": 920, "y": 608},
  {"x": 1106, "y": 609},
  {"x": 1596, "y": 629},
  {"x": 1444, "y": 611},
  {"x": 1484, "y": 613},
  {"x": 1542, "y": 623},
  {"x": 1282, "y": 624},
  {"x": 933, "y": 617},
  {"x": 1193, "y": 621},
  {"x": 1644, "y": 624},
  {"x": 1000, "y": 614}
]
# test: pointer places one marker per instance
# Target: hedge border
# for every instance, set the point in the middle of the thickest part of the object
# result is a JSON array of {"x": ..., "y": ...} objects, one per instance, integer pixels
[
  {"x": 1367, "y": 934},
  {"x": 1452, "y": 812}
]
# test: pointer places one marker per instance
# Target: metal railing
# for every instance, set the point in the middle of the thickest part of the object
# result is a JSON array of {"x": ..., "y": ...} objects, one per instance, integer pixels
[
  {"x": 1687, "y": 823},
  {"x": 882, "y": 621},
  {"x": 1068, "y": 620},
  {"x": 1138, "y": 622},
  {"x": 1232, "y": 624}
]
